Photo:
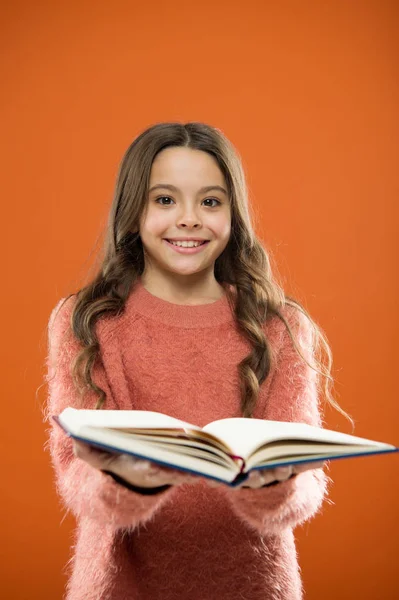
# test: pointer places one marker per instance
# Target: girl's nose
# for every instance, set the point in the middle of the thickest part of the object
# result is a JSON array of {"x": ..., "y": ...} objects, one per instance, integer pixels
[{"x": 189, "y": 219}]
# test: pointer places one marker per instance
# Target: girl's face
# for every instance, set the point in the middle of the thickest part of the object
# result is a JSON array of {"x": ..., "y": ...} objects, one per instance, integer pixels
[{"x": 179, "y": 206}]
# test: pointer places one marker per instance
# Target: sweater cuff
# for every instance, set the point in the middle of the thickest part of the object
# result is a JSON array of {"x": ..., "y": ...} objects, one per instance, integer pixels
[{"x": 150, "y": 491}]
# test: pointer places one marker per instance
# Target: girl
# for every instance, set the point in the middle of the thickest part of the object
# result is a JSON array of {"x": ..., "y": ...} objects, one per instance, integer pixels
[{"x": 184, "y": 317}]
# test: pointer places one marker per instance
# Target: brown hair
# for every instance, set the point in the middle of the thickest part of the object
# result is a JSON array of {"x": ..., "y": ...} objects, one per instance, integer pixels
[{"x": 244, "y": 264}]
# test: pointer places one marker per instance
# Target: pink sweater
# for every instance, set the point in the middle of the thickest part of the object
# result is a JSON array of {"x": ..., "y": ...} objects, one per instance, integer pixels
[{"x": 193, "y": 541}]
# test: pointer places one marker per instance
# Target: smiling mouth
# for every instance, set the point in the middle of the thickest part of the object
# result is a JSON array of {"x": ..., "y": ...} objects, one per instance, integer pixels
[{"x": 199, "y": 244}]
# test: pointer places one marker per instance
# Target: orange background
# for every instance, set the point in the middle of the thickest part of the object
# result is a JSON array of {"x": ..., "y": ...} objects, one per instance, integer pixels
[{"x": 308, "y": 93}]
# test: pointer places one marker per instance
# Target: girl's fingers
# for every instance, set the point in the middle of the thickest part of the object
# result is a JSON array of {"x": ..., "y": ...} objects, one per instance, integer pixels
[
  {"x": 283, "y": 473},
  {"x": 102, "y": 459},
  {"x": 135, "y": 470},
  {"x": 256, "y": 480},
  {"x": 300, "y": 468},
  {"x": 84, "y": 451},
  {"x": 259, "y": 478}
]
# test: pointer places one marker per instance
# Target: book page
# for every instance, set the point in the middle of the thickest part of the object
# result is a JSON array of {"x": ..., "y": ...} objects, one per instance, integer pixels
[
  {"x": 190, "y": 459},
  {"x": 138, "y": 422},
  {"x": 300, "y": 451},
  {"x": 244, "y": 436},
  {"x": 175, "y": 440},
  {"x": 75, "y": 418}
]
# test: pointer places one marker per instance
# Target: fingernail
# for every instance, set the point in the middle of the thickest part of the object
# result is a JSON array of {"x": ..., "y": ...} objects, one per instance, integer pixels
[{"x": 141, "y": 465}]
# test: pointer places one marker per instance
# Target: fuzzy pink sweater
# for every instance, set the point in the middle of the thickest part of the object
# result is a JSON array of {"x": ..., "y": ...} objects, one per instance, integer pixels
[{"x": 193, "y": 541}]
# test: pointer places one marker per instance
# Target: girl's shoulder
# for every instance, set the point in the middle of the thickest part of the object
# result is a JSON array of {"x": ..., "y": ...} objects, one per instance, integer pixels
[
  {"x": 60, "y": 320},
  {"x": 298, "y": 322},
  {"x": 61, "y": 313},
  {"x": 295, "y": 316}
]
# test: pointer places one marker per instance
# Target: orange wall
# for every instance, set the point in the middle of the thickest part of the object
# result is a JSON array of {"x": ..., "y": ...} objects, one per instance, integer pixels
[{"x": 308, "y": 92}]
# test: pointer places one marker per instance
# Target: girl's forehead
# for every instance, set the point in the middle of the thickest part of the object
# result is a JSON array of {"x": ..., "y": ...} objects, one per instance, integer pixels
[{"x": 174, "y": 165}]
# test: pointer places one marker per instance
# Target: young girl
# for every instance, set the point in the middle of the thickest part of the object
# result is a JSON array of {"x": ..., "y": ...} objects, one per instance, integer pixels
[{"x": 184, "y": 317}]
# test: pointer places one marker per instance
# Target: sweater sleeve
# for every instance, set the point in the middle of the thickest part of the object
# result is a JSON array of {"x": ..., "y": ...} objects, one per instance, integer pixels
[
  {"x": 85, "y": 490},
  {"x": 292, "y": 396}
]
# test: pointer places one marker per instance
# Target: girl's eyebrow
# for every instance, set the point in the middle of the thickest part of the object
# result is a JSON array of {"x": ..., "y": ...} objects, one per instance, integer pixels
[{"x": 173, "y": 188}]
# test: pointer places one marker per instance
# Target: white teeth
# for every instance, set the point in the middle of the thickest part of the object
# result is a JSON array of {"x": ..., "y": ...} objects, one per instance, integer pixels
[{"x": 186, "y": 244}]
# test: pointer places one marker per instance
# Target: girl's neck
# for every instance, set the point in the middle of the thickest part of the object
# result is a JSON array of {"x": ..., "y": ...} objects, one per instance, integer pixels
[{"x": 182, "y": 293}]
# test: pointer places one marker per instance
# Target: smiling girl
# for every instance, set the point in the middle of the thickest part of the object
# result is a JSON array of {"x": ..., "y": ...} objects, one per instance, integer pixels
[{"x": 184, "y": 317}]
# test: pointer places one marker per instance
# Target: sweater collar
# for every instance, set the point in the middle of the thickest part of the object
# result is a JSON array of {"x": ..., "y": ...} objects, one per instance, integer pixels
[{"x": 141, "y": 301}]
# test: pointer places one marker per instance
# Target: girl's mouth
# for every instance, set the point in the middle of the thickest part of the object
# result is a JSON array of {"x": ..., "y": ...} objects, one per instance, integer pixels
[{"x": 185, "y": 250}]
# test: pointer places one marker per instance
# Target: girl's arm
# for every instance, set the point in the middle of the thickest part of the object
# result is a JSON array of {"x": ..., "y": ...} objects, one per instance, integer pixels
[
  {"x": 292, "y": 396},
  {"x": 85, "y": 490}
]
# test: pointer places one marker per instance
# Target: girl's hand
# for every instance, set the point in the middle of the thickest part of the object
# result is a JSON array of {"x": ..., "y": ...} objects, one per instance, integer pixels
[
  {"x": 138, "y": 472},
  {"x": 258, "y": 479}
]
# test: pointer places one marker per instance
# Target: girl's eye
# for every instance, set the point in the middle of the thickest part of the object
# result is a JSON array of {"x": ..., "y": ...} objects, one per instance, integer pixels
[
  {"x": 169, "y": 198},
  {"x": 214, "y": 199},
  {"x": 161, "y": 198}
]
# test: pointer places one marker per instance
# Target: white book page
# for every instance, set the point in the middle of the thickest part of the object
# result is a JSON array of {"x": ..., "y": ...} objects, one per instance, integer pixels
[
  {"x": 244, "y": 436},
  {"x": 75, "y": 418},
  {"x": 198, "y": 463}
]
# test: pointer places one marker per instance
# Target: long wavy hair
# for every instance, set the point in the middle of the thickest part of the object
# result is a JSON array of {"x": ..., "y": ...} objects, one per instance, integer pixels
[{"x": 244, "y": 266}]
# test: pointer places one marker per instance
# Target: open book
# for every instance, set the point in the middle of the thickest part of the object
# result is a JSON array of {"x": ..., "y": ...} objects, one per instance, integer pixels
[{"x": 225, "y": 450}]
